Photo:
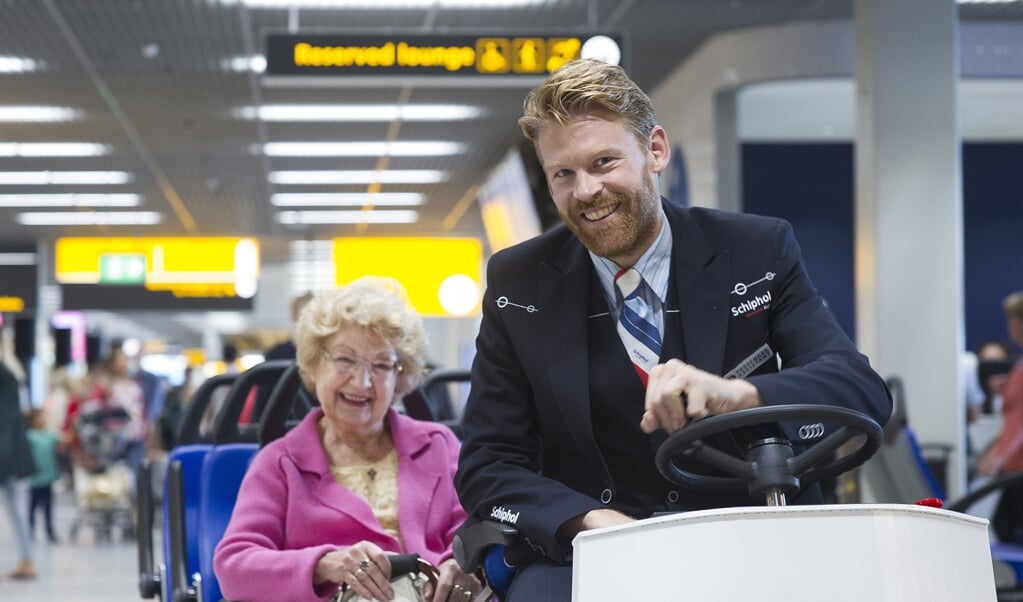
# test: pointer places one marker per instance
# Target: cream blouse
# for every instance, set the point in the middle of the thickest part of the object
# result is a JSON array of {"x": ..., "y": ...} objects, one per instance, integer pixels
[{"x": 376, "y": 483}]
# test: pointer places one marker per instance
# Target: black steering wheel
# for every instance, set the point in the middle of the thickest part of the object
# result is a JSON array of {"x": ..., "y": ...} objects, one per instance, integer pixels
[{"x": 770, "y": 466}]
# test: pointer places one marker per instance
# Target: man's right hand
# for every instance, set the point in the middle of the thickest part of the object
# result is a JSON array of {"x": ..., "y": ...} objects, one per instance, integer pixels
[{"x": 594, "y": 519}]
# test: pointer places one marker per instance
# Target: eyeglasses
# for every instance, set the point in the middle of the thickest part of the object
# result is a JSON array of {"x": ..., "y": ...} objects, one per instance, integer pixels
[{"x": 346, "y": 363}]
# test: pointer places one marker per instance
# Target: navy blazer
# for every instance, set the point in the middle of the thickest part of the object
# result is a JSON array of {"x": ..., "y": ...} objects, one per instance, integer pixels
[{"x": 740, "y": 283}]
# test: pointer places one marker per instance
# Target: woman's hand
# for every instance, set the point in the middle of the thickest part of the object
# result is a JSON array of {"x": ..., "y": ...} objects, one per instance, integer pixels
[
  {"x": 363, "y": 566},
  {"x": 454, "y": 585}
]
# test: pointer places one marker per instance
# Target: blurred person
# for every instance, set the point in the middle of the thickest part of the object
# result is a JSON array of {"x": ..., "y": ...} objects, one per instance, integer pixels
[
  {"x": 17, "y": 463},
  {"x": 995, "y": 359},
  {"x": 229, "y": 357},
  {"x": 177, "y": 399},
  {"x": 115, "y": 399},
  {"x": 40, "y": 483},
  {"x": 322, "y": 507},
  {"x": 973, "y": 393},
  {"x": 285, "y": 350},
  {"x": 600, "y": 338},
  {"x": 1006, "y": 454}
]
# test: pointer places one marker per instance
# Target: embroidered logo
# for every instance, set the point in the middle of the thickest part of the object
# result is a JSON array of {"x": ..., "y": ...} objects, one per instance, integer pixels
[
  {"x": 504, "y": 515},
  {"x": 503, "y": 302},
  {"x": 752, "y": 307},
  {"x": 740, "y": 288}
]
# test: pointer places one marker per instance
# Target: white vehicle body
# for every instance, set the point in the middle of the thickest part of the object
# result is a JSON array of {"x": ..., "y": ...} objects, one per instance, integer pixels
[{"x": 838, "y": 553}]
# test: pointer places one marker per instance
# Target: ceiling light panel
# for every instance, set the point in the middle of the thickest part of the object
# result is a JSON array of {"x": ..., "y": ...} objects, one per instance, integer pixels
[
  {"x": 14, "y": 64},
  {"x": 53, "y": 149},
  {"x": 392, "y": 4},
  {"x": 89, "y": 218},
  {"x": 345, "y": 199},
  {"x": 29, "y": 178},
  {"x": 362, "y": 149},
  {"x": 70, "y": 200},
  {"x": 435, "y": 112},
  {"x": 309, "y": 218},
  {"x": 407, "y": 176},
  {"x": 38, "y": 114}
]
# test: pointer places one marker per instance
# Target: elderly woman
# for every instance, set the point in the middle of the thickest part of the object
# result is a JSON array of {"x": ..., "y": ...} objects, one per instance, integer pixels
[{"x": 323, "y": 506}]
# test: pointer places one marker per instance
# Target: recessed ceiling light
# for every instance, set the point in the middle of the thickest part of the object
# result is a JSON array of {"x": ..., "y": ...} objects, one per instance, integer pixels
[
  {"x": 243, "y": 64},
  {"x": 53, "y": 149},
  {"x": 13, "y": 64},
  {"x": 369, "y": 176},
  {"x": 70, "y": 200},
  {"x": 304, "y": 218},
  {"x": 27, "y": 178},
  {"x": 38, "y": 114},
  {"x": 437, "y": 112},
  {"x": 349, "y": 199},
  {"x": 390, "y": 4},
  {"x": 362, "y": 149},
  {"x": 89, "y": 218}
]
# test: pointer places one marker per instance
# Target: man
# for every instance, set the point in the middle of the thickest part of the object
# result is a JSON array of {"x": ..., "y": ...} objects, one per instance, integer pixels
[
  {"x": 561, "y": 428},
  {"x": 1005, "y": 456}
]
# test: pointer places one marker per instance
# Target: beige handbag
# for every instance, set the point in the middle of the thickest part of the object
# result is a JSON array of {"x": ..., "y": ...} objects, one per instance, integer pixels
[{"x": 409, "y": 576}]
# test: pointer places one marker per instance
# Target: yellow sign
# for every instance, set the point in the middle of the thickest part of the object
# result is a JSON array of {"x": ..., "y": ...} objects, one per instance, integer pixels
[
  {"x": 188, "y": 267},
  {"x": 441, "y": 275},
  {"x": 422, "y": 54},
  {"x": 12, "y": 304}
]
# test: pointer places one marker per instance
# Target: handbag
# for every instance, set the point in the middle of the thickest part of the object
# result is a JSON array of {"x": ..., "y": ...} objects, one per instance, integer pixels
[{"x": 409, "y": 576}]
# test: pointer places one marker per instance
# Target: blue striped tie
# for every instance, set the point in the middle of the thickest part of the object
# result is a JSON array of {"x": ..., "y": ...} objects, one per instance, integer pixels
[{"x": 636, "y": 324}]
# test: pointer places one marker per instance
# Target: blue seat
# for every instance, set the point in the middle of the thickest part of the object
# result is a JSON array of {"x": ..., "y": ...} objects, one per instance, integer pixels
[
  {"x": 190, "y": 458},
  {"x": 222, "y": 472},
  {"x": 187, "y": 458}
]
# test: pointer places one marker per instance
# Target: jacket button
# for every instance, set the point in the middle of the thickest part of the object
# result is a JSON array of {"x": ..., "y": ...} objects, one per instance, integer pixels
[
  {"x": 605, "y": 496},
  {"x": 672, "y": 496}
]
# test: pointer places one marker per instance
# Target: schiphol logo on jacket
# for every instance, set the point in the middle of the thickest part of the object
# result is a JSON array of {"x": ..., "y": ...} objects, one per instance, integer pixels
[
  {"x": 504, "y": 515},
  {"x": 751, "y": 307}
]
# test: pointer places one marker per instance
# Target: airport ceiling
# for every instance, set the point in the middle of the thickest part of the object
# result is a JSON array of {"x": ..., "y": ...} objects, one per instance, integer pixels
[{"x": 161, "y": 86}]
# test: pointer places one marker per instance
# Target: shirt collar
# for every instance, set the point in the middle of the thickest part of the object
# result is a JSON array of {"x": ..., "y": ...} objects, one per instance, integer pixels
[{"x": 654, "y": 265}]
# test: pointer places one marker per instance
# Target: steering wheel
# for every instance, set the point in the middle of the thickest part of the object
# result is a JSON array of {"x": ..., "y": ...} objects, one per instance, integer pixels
[{"x": 770, "y": 466}]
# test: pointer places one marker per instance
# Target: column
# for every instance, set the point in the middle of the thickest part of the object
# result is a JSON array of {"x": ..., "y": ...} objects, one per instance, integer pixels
[{"x": 909, "y": 282}]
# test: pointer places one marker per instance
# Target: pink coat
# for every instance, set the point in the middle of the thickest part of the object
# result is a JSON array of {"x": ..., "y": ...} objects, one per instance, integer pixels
[{"x": 291, "y": 511}]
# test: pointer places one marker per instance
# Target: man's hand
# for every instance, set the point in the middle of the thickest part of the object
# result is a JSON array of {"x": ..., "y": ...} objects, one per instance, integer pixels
[
  {"x": 594, "y": 519},
  {"x": 677, "y": 391}
]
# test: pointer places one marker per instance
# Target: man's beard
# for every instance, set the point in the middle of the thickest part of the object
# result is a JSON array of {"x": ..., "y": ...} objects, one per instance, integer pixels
[{"x": 633, "y": 226}]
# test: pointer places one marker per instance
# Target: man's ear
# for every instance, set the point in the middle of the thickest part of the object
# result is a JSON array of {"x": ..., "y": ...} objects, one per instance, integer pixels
[{"x": 659, "y": 151}]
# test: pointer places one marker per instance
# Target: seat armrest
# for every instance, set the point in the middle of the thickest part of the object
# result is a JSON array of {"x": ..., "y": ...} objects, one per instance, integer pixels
[
  {"x": 149, "y": 579},
  {"x": 475, "y": 537}
]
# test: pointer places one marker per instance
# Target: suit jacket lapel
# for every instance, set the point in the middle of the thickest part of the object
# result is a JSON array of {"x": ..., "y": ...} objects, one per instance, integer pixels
[
  {"x": 701, "y": 279},
  {"x": 564, "y": 296}
]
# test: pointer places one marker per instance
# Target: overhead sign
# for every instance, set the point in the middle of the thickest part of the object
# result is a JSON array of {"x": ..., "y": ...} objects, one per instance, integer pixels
[
  {"x": 157, "y": 273},
  {"x": 420, "y": 54},
  {"x": 19, "y": 277},
  {"x": 440, "y": 275}
]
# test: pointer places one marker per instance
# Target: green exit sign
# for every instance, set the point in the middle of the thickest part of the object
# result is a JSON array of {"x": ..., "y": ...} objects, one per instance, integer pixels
[{"x": 122, "y": 268}]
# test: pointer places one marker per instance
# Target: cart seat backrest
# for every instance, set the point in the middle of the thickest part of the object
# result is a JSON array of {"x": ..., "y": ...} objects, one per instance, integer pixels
[
  {"x": 191, "y": 459},
  {"x": 222, "y": 472}
]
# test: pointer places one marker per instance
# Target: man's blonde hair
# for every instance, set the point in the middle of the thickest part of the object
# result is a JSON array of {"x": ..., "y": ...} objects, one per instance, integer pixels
[
  {"x": 1013, "y": 305},
  {"x": 583, "y": 86}
]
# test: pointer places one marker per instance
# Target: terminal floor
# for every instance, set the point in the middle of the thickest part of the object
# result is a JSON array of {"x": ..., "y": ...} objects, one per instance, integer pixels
[{"x": 85, "y": 570}]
